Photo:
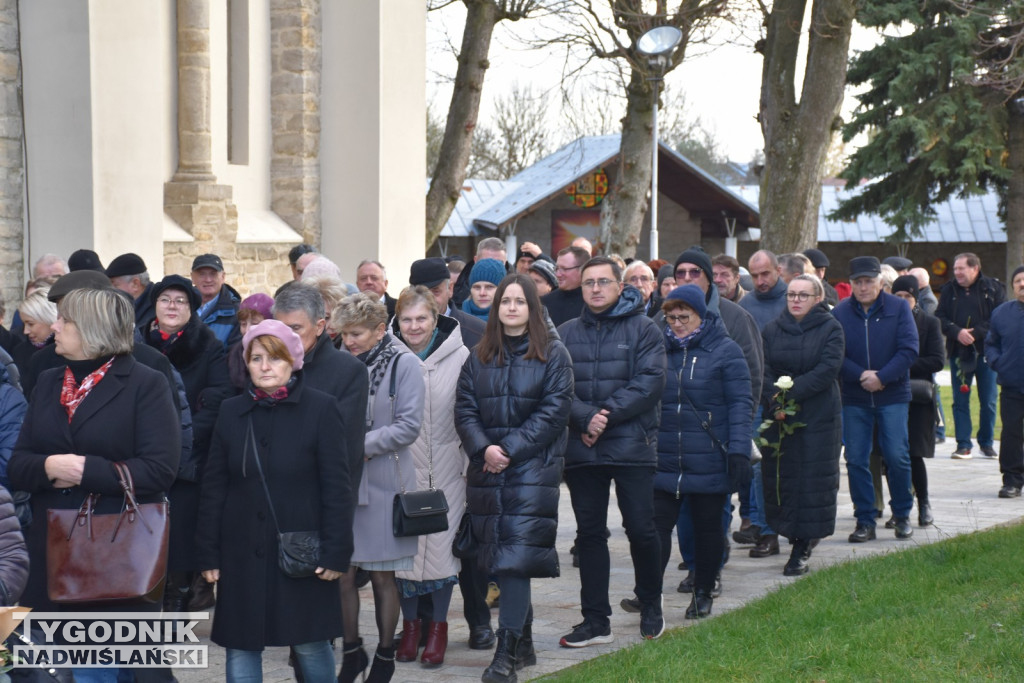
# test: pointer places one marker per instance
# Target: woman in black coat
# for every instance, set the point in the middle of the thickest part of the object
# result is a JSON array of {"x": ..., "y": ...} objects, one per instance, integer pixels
[
  {"x": 73, "y": 433},
  {"x": 705, "y": 425},
  {"x": 806, "y": 344},
  {"x": 512, "y": 412},
  {"x": 199, "y": 357},
  {"x": 921, "y": 415},
  {"x": 296, "y": 433}
]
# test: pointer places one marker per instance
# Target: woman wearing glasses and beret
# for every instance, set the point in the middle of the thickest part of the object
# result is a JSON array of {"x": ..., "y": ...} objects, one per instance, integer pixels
[{"x": 806, "y": 344}]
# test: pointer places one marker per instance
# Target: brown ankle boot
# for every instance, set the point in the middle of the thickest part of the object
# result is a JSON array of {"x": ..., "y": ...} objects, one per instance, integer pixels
[
  {"x": 437, "y": 643},
  {"x": 767, "y": 545},
  {"x": 409, "y": 646}
]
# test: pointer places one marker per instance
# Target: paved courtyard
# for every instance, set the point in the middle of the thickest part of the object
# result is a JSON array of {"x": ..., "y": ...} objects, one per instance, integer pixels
[{"x": 963, "y": 495}]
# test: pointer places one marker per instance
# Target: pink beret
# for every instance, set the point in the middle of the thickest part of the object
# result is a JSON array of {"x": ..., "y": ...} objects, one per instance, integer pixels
[{"x": 276, "y": 328}]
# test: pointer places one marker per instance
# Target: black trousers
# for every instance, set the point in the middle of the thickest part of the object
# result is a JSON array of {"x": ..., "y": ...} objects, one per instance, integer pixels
[
  {"x": 1011, "y": 441},
  {"x": 709, "y": 543},
  {"x": 473, "y": 584}
]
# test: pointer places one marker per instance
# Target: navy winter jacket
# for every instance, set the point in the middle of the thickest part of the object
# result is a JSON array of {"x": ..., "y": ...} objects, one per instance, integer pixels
[
  {"x": 618, "y": 361},
  {"x": 13, "y": 407},
  {"x": 1004, "y": 344},
  {"x": 883, "y": 339},
  {"x": 768, "y": 306},
  {"x": 713, "y": 374}
]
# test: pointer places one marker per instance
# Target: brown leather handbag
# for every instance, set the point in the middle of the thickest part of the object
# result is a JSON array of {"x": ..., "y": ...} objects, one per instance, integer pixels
[{"x": 94, "y": 557}]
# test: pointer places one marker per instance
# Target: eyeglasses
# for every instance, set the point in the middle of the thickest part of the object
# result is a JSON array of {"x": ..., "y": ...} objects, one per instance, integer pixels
[
  {"x": 640, "y": 279},
  {"x": 172, "y": 303},
  {"x": 691, "y": 273},
  {"x": 560, "y": 269},
  {"x": 602, "y": 283},
  {"x": 678, "y": 319},
  {"x": 801, "y": 296}
]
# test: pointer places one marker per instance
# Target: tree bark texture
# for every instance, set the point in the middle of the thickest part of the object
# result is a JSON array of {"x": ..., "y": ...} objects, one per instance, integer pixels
[
  {"x": 623, "y": 209},
  {"x": 1014, "y": 192},
  {"x": 450, "y": 173},
  {"x": 797, "y": 133}
]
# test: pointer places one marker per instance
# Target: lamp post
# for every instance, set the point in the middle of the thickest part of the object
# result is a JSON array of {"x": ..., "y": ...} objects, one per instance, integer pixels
[{"x": 657, "y": 44}]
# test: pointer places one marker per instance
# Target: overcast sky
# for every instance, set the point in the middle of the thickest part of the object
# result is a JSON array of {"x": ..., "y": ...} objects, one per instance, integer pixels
[{"x": 721, "y": 82}]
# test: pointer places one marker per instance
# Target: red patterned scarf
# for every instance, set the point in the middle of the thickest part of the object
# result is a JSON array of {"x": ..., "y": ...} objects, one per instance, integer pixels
[{"x": 71, "y": 395}]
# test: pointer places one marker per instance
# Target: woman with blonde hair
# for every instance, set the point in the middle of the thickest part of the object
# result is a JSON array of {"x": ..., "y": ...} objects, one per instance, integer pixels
[
  {"x": 38, "y": 314},
  {"x": 394, "y": 415},
  {"x": 436, "y": 340}
]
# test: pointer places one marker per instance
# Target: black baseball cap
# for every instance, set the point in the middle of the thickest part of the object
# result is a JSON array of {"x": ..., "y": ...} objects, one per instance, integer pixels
[{"x": 208, "y": 261}]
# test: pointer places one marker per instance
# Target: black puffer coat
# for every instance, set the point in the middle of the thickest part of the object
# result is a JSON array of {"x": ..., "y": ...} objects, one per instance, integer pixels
[
  {"x": 800, "y": 488},
  {"x": 922, "y": 417},
  {"x": 522, "y": 406},
  {"x": 618, "y": 362},
  {"x": 712, "y": 373}
]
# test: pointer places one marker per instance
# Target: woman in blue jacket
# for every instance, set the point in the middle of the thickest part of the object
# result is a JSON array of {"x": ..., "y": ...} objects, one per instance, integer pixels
[{"x": 705, "y": 423}]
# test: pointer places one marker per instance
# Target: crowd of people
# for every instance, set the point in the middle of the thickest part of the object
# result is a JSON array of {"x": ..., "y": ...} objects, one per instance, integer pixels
[{"x": 309, "y": 408}]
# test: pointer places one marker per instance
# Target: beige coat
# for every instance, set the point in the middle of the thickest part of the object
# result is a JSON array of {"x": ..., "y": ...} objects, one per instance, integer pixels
[{"x": 439, "y": 441}]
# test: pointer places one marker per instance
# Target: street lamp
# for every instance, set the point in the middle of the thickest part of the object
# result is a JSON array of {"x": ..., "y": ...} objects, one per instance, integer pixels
[{"x": 657, "y": 44}]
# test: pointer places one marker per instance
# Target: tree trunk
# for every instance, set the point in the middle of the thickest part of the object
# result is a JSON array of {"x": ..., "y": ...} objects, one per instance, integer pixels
[
  {"x": 1015, "y": 191},
  {"x": 446, "y": 184},
  {"x": 797, "y": 135},
  {"x": 623, "y": 209}
]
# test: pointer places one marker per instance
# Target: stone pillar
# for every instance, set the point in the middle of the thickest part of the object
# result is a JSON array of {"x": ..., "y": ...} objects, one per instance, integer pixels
[
  {"x": 295, "y": 34},
  {"x": 12, "y": 170},
  {"x": 193, "y": 48},
  {"x": 193, "y": 198}
]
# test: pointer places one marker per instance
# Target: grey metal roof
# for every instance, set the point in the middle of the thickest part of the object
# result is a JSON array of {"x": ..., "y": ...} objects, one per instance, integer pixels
[
  {"x": 971, "y": 219},
  {"x": 477, "y": 195},
  {"x": 550, "y": 176}
]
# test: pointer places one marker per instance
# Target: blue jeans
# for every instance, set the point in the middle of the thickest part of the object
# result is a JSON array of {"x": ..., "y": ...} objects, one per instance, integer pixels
[
  {"x": 316, "y": 660},
  {"x": 685, "y": 531},
  {"x": 988, "y": 391},
  {"x": 757, "y": 501},
  {"x": 858, "y": 426}
]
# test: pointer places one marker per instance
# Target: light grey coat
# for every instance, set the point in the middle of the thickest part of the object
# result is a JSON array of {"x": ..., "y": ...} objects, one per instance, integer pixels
[
  {"x": 372, "y": 533},
  {"x": 440, "y": 447}
]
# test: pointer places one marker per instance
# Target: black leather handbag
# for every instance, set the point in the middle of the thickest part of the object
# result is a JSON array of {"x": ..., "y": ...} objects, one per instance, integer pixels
[
  {"x": 465, "y": 544},
  {"x": 416, "y": 513},
  {"x": 298, "y": 552}
]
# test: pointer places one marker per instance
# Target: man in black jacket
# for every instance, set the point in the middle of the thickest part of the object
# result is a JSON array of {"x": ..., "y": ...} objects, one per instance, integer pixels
[
  {"x": 566, "y": 302},
  {"x": 334, "y": 372},
  {"x": 618, "y": 358},
  {"x": 433, "y": 274},
  {"x": 965, "y": 307}
]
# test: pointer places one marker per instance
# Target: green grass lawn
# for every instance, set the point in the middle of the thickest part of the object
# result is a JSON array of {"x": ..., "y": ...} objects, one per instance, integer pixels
[
  {"x": 953, "y": 610},
  {"x": 946, "y": 395}
]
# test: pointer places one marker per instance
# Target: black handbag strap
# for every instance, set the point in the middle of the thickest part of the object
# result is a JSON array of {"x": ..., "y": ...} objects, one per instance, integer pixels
[
  {"x": 706, "y": 426},
  {"x": 430, "y": 456},
  {"x": 251, "y": 438}
]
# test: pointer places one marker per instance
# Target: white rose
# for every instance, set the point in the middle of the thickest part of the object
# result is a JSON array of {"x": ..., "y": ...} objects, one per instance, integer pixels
[{"x": 785, "y": 382}]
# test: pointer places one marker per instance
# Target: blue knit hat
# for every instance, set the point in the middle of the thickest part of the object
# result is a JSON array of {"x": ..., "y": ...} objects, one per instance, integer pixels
[
  {"x": 487, "y": 270},
  {"x": 692, "y": 296}
]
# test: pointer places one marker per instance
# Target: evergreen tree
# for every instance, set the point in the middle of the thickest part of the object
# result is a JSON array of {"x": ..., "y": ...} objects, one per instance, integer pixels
[{"x": 936, "y": 126}]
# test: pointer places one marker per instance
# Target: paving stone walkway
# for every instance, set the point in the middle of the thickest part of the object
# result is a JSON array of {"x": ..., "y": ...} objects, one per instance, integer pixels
[{"x": 963, "y": 496}]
